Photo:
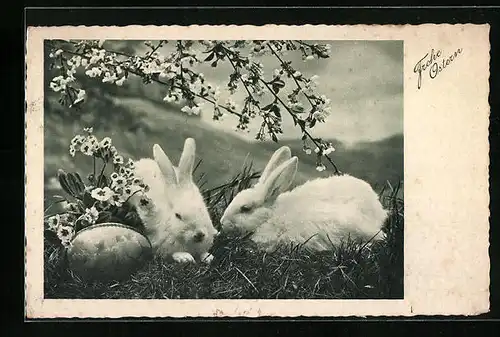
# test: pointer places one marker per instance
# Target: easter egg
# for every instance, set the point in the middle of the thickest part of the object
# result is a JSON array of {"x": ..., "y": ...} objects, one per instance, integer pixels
[{"x": 108, "y": 251}]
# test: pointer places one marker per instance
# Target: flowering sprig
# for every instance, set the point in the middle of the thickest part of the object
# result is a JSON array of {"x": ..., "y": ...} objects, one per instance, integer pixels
[
  {"x": 184, "y": 85},
  {"x": 105, "y": 195}
]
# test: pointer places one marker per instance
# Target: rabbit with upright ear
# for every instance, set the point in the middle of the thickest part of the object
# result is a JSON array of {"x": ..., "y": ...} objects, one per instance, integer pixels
[
  {"x": 173, "y": 210},
  {"x": 320, "y": 213}
]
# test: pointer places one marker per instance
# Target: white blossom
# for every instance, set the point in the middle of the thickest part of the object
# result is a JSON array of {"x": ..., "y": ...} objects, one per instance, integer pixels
[
  {"x": 169, "y": 98},
  {"x": 120, "y": 81},
  {"x": 109, "y": 77},
  {"x": 320, "y": 167},
  {"x": 196, "y": 86},
  {"x": 59, "y": 83},
  {"x": 80, "y": 96},
  {"x": 195, "y": 110},
  {"x": 328, "y": 150}
]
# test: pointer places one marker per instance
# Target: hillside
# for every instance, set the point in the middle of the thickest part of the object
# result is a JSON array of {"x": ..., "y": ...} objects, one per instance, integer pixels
[
  {"x": 376, "y": 162},
  {"x": 223, "y": 154}
]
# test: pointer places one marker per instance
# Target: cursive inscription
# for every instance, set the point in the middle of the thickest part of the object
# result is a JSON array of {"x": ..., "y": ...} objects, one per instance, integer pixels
[{"x": 434, "y": 63}]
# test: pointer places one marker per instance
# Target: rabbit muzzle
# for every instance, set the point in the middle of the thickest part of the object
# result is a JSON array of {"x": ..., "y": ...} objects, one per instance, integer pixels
[{"x": 199, "y": 236}]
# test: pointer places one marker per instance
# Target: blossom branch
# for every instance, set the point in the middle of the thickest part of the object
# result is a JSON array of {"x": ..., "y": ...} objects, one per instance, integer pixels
[
  {"x": 154, "y": 79},
  {"x": 302, "y": 127},
  {"x": 183, "y": 82}
]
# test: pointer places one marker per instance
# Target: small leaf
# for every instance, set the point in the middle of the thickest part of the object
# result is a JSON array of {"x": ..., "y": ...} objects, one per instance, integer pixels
[
  {"x": 130, "y": 218},
  {"x": 104, "y": 217},
  {"x": 313, "y": 123},
  {"x": 301, "y": 123},
  {"x": 63, "y": 181},
  {"x": 299, "y": 109},
  {"x": 276, "y": 110},
  {"x": 279, "y": 83},
  {"x": 304, "y": 136},
  {"x": 210, "y": 57},
  {"x": 274, "y": 138},
  {"x": 115, "y": 219},
  {"x": 87, "y": 199},
  {"x": 103, "y": 181},
  {"x": 268, "y": 107},
  {"x": 120, "y": 213},
  {"x": 78, "y": 182},
  {"x": 73, "y": 184},
  {"x": 214, "y": 64}
]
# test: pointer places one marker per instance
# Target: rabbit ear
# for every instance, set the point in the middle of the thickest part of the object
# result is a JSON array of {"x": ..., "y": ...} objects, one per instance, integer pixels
[
  {"x": 165, "y": 165},
  {"x": 279, "y": 156},
  {"x": 186, "y": 163},
  {"x": 280, "y": 179}
]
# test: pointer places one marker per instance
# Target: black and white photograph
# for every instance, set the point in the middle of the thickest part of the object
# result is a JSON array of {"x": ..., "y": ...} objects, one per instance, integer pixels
[
  {"x": 251, "y": 169},
  {"x": 196, "y": 169}
]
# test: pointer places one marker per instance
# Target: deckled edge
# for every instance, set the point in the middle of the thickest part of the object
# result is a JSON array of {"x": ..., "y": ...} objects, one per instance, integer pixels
[{"x": 248, "y": 26}]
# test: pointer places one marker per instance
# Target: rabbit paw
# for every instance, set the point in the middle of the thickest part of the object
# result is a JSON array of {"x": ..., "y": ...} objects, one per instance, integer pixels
[
  {"x": 206, "y": 258},
  {"x": 182, "y": 257}
]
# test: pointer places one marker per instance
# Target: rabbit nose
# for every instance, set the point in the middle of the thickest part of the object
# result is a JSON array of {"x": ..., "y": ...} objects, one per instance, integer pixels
[{"x": 199, "y": 236}]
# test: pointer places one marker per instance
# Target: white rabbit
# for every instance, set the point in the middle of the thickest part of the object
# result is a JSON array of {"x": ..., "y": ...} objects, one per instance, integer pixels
[
  {"x": 319, "y": 213},
  {"x": 173, "y": 210}
]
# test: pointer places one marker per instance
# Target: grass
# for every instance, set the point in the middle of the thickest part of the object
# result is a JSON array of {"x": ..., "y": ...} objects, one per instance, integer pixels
[{"x": 241, "y": 271}]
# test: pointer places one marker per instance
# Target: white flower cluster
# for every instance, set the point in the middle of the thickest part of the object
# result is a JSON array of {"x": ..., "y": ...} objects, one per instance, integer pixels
[
  {"x": 231, "y": 105},
  {"x": 101, "y": 65},
  {"x": 277, "y": 73},
  {"x": 256, "y": 68},
  {"x": 258, "y": 50},
  {"x": 315, "y": 50},
  {"x": 215, "y": 92},
  {"x": 326, "y": 149},
  {"x": 322, "y": 109},
  {"x": 311, "y": 85},
  {"x": 173, "y": 96},
  {"x": 60, "y": 83},
  {"x": 191, "y": 110},
  {"x": 63, "y": 226},
  {"x": 122, "y": 186},
  {"x": 196, "y": 86},
  {"x": 113, "y": 191},
  {"x": 323, "y": 149}
]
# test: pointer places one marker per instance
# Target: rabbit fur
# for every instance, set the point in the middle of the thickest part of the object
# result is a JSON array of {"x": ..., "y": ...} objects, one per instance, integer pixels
[
  {"x": 320, "y": 213},
  {"x": 174, "y": 213}
]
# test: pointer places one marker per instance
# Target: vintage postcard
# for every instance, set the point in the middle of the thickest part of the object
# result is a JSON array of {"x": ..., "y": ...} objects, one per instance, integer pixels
[{"x": 270, "y": 171}]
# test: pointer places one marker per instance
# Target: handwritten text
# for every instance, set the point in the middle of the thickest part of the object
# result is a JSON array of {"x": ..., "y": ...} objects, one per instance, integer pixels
[{"x": 434, "y": 63}]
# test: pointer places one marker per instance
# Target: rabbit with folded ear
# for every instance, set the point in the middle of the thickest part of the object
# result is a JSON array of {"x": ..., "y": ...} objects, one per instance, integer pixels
[
  {"x": 320, "y": 213},
  {"x": 173, "y": 210}
]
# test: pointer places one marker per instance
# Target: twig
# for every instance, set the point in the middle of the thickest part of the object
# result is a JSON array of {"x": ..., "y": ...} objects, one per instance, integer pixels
[
  {"x": 137, "y": 73},
  {"x": 246, "y": 278},
  {"x": 295, "y": 118}
]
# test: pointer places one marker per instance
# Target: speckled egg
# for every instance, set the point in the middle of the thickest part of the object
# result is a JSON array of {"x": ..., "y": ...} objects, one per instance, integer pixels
[{"x": 108, "y": 251}]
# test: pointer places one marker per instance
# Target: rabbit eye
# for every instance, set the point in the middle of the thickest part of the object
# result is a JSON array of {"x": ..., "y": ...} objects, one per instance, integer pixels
[
  {"x": 178, "y": 216},
  {"x": 245, "y": 209}
]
